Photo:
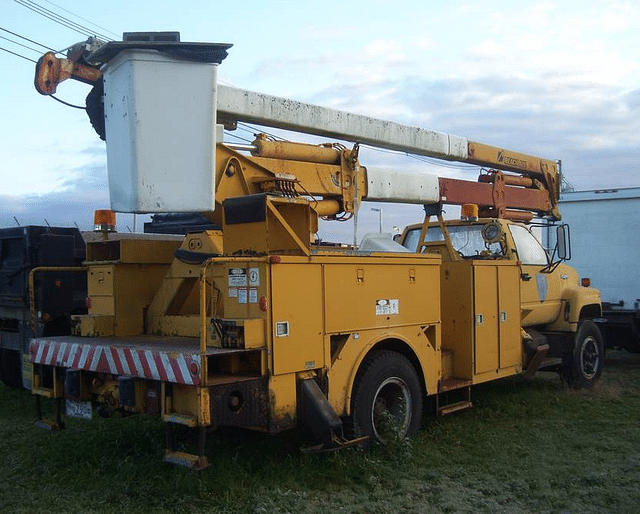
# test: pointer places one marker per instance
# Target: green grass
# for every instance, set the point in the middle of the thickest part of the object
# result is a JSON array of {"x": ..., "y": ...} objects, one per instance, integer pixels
[{"x": 527, "y": 446}]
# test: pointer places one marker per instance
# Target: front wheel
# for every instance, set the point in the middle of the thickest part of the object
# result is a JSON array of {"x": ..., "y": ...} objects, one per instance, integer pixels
[
  {"x": 585, "y": 365},
  {"x": 387, "y": 399}
]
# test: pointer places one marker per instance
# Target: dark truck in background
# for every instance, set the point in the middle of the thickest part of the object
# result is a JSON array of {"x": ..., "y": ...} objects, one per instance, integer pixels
[{"x": 58, "y": 294}]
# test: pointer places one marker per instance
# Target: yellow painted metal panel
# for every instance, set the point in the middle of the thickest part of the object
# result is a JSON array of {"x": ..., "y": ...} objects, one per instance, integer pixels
[
  {"x": 297, "y": 316},
  {"x": 189, "y": 402},
  {"x": 371, "y": 294},
  {"x": 94, "y": 325},
  {"x": 509, "y": 316},
  {"x": 100, "y": 280},
  {"x": 486, "y": 318},
  {"x": 124, "y": 291},
  {"x": 148, "y": 251},
  {"x": 135, "y": 287},
  {"x": 282, "y": 402},
  {"x": 102, "y": 306},
  {"x": 457, "y": 316},
  {"x": 254, "y": 333}
]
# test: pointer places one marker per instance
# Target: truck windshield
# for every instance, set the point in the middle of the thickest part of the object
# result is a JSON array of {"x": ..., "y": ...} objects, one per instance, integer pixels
[{"x": 466, "y": 239}]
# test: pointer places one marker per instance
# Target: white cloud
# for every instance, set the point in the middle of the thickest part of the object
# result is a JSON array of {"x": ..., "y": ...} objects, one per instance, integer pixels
[{"x": 487, "y": 49}]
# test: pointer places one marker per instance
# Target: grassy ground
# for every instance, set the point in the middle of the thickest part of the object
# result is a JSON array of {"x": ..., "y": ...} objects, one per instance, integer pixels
[{"x": 527, "y": 446}]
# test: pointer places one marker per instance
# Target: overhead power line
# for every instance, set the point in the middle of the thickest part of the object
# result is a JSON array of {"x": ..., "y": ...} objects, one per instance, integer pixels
[
  {"x": 81, "y": 18},
  {"x": 17, "y": 54},
  {"x": 27, "y": 39},
  {"x": 61, "y": 20},
  {"x": 20, "y": 44}
]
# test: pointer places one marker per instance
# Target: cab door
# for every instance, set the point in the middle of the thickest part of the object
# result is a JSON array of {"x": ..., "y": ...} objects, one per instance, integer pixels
[{"x": 540, "y": 292}]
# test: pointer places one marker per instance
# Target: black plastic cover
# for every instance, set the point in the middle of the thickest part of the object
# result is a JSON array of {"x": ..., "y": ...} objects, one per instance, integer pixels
[
  {"x": 178, "y": 223},
  {"x": 197, "y": 52},
  {"x": 245, "y": 209}
]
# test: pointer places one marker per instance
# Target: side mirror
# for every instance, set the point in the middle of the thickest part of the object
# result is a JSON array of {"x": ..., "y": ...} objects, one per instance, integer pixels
[{"x": 563, "y": 242}]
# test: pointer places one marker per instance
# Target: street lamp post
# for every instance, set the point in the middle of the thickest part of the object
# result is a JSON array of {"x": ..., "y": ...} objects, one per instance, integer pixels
[{"x": 379, "y": 211}]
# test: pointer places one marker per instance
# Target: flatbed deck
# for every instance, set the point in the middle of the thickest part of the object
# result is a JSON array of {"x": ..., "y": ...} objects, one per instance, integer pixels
[{"x": 166, "y": 358}]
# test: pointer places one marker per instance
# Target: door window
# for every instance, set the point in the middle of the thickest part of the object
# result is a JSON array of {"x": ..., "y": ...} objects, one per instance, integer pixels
[{"x": 529, "y": 249}]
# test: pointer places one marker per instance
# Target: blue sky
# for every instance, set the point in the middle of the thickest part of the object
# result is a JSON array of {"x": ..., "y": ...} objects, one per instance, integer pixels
[{"x": 556, "y": 79}]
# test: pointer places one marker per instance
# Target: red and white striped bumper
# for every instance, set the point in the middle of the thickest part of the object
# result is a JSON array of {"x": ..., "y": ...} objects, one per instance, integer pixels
[{"x": 150, "y": 361}]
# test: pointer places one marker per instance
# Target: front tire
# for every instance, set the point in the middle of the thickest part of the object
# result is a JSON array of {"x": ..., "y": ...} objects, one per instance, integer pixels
[
  {"x": 585, "y": 366},
  {"x": 387, "y": 401}
]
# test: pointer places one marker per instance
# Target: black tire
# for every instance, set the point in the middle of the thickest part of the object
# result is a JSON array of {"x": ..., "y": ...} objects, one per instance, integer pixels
[
  {"x": 585, "y": 364},
  {"x": 387, "y": 400}
]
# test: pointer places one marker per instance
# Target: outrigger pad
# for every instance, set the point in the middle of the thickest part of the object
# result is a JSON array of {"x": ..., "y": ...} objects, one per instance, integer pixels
[{"x": 186, "y": 459}]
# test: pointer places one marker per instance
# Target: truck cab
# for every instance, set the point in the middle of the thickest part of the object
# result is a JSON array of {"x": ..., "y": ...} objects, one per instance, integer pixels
[{"x": 553, "y": 302}]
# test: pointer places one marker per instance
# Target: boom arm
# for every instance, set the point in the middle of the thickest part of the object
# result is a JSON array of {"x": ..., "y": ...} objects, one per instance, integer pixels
[
  {"x": 516, "y": 185},
  {"x": 535, "y": 187}
]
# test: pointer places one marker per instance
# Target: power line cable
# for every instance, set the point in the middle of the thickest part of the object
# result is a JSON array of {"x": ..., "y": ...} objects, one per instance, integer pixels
[
  {"x": 428, "y": 160},
  {"x": 237, "y": 137},
  {"x": 65, "y": 21},
  {"x": 19, "y": 55},
  {"x": 51, "y": 17},
  {"x": 51, "y": 96},
  {"x": 27, "y": 39},
  {"x": 61, "y": 20},
  {"x": 254, "y": 129},
  {"x": 20, "y": 44},
  {"x": 81, "y": 18}
]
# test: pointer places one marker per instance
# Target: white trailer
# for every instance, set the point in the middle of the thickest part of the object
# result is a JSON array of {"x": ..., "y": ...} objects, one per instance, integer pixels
[{"x": 605, "y": 225}]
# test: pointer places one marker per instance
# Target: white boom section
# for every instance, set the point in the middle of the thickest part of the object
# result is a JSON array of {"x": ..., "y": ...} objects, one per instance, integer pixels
[
  {"x": 272, "y": 111},
  {"x": 399, "y": 186}
]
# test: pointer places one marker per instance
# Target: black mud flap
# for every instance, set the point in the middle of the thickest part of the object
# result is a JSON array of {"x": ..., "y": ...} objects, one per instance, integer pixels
[{"x": 322, "y": 421}]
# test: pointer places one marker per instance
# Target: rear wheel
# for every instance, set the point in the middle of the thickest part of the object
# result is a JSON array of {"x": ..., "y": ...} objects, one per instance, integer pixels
[
  {"x": 585, "y": 366},
  {"x": 387, "y": 399}
]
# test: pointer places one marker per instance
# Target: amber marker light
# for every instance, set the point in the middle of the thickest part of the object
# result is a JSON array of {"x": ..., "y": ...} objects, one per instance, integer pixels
[
  {"x": 104, "y": 220},
  {"x": 469, "y": 211},
  {"x": 586, "y": 282}
]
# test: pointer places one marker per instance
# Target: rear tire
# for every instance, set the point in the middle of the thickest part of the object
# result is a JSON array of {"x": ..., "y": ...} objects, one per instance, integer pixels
[
  {"x": 585, "y": 366},
  {"x": 387, "y": 401}
]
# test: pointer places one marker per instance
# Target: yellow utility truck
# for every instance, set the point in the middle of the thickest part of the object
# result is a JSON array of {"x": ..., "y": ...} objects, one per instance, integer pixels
[{"x": 260, "y": 325}]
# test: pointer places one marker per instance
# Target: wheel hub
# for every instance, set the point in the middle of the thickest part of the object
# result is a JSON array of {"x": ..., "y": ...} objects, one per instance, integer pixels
[
  {"x": 589, "y": 357},
  {"x": 391, "y": 409}
]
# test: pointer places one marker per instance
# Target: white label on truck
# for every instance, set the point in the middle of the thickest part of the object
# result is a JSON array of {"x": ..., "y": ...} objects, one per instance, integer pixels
[
  {"x": 253, "y": 295},
  {"x": 242, "y": 295},
  {"x": 237, "y": 277},
  {"x": 233, "y": 292},
  {"x": 254, "y": 277},
  {"x": 75, "y": 409},
  {"x": 387, "y": 307}
]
